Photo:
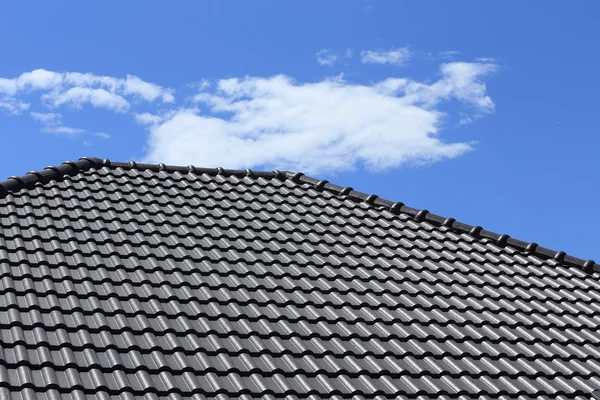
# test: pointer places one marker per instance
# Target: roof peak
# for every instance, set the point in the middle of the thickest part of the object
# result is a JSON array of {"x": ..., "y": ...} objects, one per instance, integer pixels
[{"x": 16, "y": 183}]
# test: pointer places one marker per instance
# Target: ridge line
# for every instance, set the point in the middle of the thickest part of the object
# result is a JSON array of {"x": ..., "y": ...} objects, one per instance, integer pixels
[
  {"x": 16, "y": 183},
  {"x": 99, "y": 163},
  {"x": 476, "y": 232}
]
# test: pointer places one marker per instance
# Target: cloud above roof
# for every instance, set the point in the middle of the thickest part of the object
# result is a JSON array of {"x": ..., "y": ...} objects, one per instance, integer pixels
[
  {"x": 398, "y": 56},
  {"x": 52, "y": 123},
  {"x": 272, "y": 122},
  {"x": 326, "y": 57},
  {"x": 77, "y": 89},
  {"x": 333, "y": 125}
]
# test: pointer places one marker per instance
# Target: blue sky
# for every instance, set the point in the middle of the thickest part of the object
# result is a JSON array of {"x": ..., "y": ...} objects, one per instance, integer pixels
[{"x": 485, "y": 112}]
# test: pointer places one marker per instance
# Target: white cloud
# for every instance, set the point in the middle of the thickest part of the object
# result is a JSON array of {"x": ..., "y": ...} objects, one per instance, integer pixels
[
  {"x": 77, "y": 89},
  {"x": 63, "y": 130},
  {"x": 326, "y": 57},
  {"x": 147, "y": 91},
  {"x": 8, "y": 86},
  {"x": 461, "y": 80},
  {"x": 332, "y": 125},
  {"x": 12, "y": 105},
  {"x": 53, "y": 124},
  {"x": 147, "y": 119},
  {"x": 486, "y": 60},
  {"x": 77, "y": 96},
  {"x": 102, "y": 135},
  {"x": 349, "y": 53},
  {"x": 465, "y": 120},
  {"x": 47, "y": 118},
  {"x": 449, "y": 54},
  {"x": 132, "y": 85},
  {"x": 200, "y": 85},
  {"x": 397, "y": 56},
  {"x": 38, "y": 79}
]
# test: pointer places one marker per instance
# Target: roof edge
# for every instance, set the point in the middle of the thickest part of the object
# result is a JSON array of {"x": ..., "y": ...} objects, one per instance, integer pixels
[
  {"x": 502, "y": 240},
  {"x": 191, "y": 168},
  {"x": 16, "y": 183}
]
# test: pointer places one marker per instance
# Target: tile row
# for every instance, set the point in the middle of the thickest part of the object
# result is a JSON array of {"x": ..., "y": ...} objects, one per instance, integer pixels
[
  {"x": 253, "y": 209},
  {"x": 215, "y": 237},
  {"x": 214, "y": 215},
  {"x": 210, "y": 383},
  {"x": 201, "y": 363},
  {"x": 113, "y": 297},
  {"x": 53, "y": 394},
  {"x": 259, "y": 213},
  {"x": 241, "y": 305},
  {"x": 225, "y": 247},
  {"x": 245, "y": 327},
  {"x": 256, "y": 344},
  {"x": 322, "y": 280},
  {"x": 332, "y": 266}
]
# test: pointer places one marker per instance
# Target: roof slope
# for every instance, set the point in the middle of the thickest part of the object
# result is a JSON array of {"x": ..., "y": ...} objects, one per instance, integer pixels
[{"x": 130, "y": 281}]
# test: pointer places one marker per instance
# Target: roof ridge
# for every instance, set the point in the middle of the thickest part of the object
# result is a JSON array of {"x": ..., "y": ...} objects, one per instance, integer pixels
[
  {"x": 476, "y": 232},
  {"x": 17, "y": 183},
  {"x": 190, "y": 168}
]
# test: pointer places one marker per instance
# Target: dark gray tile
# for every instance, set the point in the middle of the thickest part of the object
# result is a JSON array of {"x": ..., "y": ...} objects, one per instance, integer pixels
[{"x": 120, "y": 283}]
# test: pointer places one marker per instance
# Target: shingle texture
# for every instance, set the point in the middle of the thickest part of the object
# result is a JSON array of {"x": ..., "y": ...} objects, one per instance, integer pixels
[{"x": 125, "y": 281}]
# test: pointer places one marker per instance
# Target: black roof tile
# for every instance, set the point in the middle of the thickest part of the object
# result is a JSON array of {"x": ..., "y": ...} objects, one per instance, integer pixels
[{"x": 135, "y": 281}]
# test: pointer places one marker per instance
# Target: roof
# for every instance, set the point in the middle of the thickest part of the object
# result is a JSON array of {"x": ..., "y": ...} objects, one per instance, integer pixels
[{"x": 136, "y": 281}]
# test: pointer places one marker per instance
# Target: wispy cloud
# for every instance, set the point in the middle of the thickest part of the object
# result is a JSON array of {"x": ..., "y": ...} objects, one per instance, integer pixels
[
  {"x": 53, "y": 124},
  {"x": 398, "y": 56},
  {"x": 102, "y": 135},
  {"x": 76, "y": 89},
  {"x": 449, "y": 54},
  {"x": 200, "y": 85},
  {"x": 486, "y": 60},
  {"x": 63, "y": 130},
  {"x": 349, "y": 53},
  {"x": 47, "y": 118},
  {"x": 12, "y": 105},
  {"x": 78, "y": 96},
  {"x": 326, "y": 57},
  {"x": 131, "y": 85},
  {"x": 331, "y": 125},
  {"x": 466, "y": 119},
  {"x": 147, "y": 119}
]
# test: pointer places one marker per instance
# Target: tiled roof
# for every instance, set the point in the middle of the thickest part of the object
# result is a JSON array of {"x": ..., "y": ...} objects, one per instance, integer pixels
[{"x": 134, "y": 281}]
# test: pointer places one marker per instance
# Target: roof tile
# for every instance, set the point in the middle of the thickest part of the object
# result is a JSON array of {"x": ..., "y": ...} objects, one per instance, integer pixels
[{"x": 133, "y": 281}]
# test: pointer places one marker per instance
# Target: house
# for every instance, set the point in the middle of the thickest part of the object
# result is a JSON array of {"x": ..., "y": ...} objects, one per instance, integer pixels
[{"x": 134, "y": 281}]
